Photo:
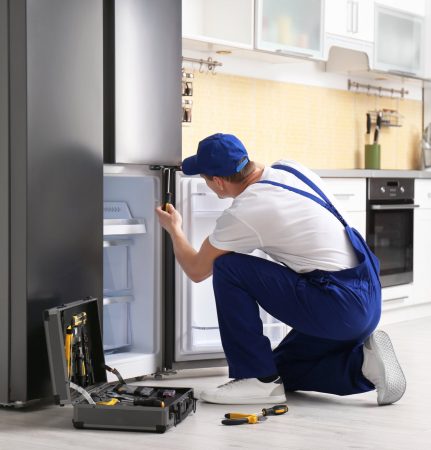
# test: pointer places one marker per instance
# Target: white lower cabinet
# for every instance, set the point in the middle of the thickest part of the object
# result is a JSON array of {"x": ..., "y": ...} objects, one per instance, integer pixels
[
  {"x": 422, "y": 242},
  {"x": 349, "y": 195}
]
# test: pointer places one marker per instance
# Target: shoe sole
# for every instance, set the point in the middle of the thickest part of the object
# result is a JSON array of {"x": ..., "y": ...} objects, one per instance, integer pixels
[
  {"x": 245, "y": 400},
  {"x": 395, "y": 381}
]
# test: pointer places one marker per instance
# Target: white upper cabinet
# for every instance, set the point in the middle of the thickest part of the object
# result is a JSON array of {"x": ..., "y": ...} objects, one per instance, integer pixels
[
  {"x": 293, "y": 27},
  {"x": 399, "y": 41},
  {"x": 352, "y": 19},
  {"x": 417, "y": 7},
  {"x": 224, "y": 22}
]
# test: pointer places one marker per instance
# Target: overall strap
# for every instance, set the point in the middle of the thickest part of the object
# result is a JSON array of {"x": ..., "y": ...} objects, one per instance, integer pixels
[{"x": 323, "y": 200}]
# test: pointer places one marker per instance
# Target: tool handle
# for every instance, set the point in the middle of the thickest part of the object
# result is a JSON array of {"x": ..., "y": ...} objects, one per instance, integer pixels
[
  {"x": 238, "y": 415},
  {"x": 149, "y": 402},
  {"x": 234, "y": 421},
  {"x": 276, "y": 410},
  {"x": 169, "y": 197},
  {"x": 368, "y": 123}
]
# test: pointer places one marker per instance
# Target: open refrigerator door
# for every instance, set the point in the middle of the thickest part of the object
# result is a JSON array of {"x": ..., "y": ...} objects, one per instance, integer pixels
[
  {"x": 197, "y": 335},
  {"x": 132, "y": 270}
]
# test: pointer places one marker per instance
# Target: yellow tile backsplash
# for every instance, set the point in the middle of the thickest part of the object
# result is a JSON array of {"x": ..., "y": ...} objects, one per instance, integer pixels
[{"x": 320, "y": 127}]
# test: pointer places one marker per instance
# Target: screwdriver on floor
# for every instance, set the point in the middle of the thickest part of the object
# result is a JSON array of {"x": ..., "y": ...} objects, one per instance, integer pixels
[{"x": 241, "y": 418}]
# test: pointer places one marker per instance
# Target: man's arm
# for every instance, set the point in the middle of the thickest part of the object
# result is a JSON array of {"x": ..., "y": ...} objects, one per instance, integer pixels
[{"x": 197, "y": 265}]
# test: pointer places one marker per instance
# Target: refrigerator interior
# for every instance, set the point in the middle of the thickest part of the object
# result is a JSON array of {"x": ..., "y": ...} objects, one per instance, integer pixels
[
  {"x": 131, "y": 270},
  {"x": 197, "y": 332}
]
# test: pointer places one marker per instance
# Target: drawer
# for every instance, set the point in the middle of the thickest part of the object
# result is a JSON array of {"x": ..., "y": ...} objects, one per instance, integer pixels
[
  {"x": 423, "y": 193},
  {"x": 205, "y": 200},
  {"x": 349, "y": 193}
]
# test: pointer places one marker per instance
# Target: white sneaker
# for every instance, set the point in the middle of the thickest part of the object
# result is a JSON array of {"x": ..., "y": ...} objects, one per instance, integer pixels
[
  {"x": 246, "y": 391},
  {"x": 382, "y": 368}
]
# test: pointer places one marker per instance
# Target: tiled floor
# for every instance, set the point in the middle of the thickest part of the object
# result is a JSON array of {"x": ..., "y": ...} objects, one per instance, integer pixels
[{"x": 314, "y": 421}]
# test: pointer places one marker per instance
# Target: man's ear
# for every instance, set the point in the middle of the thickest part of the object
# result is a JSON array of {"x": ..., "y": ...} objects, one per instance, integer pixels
[{"x": 219, "y": 182}]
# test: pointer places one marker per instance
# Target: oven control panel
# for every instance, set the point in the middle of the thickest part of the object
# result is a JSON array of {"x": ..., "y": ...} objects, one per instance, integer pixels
[{"x": 399, "y": 189}]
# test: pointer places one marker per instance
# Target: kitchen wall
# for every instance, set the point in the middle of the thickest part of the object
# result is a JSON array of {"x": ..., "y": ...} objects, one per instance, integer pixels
[{"x": 321, "y": 127}]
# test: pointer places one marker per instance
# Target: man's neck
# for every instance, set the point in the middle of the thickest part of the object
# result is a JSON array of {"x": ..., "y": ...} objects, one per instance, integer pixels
[{"x": 252, "y": 178}]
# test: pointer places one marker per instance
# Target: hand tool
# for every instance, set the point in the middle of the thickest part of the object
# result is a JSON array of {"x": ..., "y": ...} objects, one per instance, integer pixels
[
  {"x": 368, "y": 127},
  {"x": 168, "y": 194},
  {"x": 377, "y": 129},
  {"x": 167, "y": 393},
  {"x": 152, "y": 401},
  {"x": 139, "y": 391},
  {"x": 241, "y": 418},
  {"x": 115, "y": 372},
  {"x": 68, "y": 349},
  {"x": 111, "y": 402}
]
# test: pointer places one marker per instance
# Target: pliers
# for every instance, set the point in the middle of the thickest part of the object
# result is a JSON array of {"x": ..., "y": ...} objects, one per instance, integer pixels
[{"x": 241, "y": 418}]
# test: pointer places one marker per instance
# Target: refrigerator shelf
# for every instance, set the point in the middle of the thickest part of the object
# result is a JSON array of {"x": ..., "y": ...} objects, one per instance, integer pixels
[
  {"x": 113, "y": 227},
  {"x": 118, "y": 243},
  {"x": 118, "y": 299}
]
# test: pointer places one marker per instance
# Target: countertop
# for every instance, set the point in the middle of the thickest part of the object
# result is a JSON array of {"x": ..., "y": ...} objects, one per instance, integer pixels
[{"x": 367, "y": 173}]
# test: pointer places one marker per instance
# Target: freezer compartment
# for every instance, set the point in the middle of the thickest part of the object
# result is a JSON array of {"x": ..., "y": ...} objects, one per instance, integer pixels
[
  {"x": 132, "y": 270},
  {"x": 197, "y": 331}
]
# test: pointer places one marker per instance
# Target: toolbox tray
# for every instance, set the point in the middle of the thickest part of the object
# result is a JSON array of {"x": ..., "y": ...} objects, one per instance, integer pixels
[{"x": 121, "y": 416}]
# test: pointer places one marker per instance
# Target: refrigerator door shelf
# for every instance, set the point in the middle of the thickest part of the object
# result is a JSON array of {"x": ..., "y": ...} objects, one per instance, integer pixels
[
  {"x": 113, "y": 227},
  {"x": 116, "y": 323}
]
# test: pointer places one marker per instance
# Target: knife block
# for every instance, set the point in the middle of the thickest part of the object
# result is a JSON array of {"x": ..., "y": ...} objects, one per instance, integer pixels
[{"x": 372, "y": 156}]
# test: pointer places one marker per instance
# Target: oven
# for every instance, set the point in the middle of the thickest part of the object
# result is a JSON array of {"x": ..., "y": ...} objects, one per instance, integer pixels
[{"x": 390, "y": 208}]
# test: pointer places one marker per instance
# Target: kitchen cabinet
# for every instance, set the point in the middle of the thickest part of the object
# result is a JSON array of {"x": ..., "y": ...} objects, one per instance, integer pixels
[
  {"x": 417, "y": 7},
  {"x": 352, "y": 19},
  {"x": 399, "y": 42},
  {"x": 350, "y": 200},
  {"x": 220, "y": 23},
  {"x": 422, "y": 241},
  {"x": 292, "y": 28}
]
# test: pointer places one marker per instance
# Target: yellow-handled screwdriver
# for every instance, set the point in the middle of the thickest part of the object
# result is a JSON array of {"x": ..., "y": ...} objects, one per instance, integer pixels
[{"x": 241, "y": 418}]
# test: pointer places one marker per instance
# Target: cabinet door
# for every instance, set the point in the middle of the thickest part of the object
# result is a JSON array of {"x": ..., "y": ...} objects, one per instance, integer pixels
[
  {"x": 294, "y": 27},
  {"x": 228, "y": 22},
  {"x": 350, "y": 18},
  {"x": 422, "y": 241},
  {"x": 421, "y": 255},
  {"x": 399, "y": 41},
  {"x": 411, "y": 6}
]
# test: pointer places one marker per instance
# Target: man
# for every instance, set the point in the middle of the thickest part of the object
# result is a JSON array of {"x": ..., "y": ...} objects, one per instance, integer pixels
[{"x": 322, "y": 281}]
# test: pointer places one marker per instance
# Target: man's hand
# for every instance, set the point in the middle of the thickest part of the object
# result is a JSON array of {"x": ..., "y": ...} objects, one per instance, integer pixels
[
  {"x": 197, "y": 265},
  {"x": 170, "y": 220}
]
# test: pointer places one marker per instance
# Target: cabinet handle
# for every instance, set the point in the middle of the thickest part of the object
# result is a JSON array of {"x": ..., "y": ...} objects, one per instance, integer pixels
[
  {"x": 396, "y": 299},
  {"x": 344, "y": 195},
  {"x": 356, "y": 9},
  {"x": 292, "y": 53},
  {"x": 349, "y": 16}
]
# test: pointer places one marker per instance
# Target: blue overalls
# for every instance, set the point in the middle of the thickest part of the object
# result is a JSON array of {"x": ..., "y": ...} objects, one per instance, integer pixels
[{"x": 331, "y": 314}]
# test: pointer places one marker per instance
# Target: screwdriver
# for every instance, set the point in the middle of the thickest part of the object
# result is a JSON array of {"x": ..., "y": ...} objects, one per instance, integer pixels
[{"x": 240, "y": 418}]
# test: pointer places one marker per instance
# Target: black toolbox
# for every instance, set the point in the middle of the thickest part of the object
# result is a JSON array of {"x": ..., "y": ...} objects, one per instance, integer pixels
[{"x": 78, "y": 375}]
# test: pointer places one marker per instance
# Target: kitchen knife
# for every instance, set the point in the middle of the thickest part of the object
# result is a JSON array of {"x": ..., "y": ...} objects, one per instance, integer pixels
[
  {"x": 377, "y": 130},
  {"x": 368, "y": 127}
]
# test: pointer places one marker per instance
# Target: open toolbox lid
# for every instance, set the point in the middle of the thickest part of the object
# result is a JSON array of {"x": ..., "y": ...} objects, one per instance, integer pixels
[{"x": 56, "y": 321}]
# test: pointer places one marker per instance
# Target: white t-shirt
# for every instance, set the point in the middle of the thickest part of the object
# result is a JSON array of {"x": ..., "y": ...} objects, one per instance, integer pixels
[{"x": 290, "y": 228}]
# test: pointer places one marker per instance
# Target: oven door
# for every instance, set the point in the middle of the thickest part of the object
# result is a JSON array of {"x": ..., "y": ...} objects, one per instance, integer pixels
[{"x": 390, "y": 237}]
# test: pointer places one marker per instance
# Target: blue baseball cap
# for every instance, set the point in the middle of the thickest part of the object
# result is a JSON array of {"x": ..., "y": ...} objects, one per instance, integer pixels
[{"x": 218, "y": 155}]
